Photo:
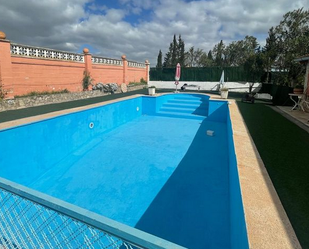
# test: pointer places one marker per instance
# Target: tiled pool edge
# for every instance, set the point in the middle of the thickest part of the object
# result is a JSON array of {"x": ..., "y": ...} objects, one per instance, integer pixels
[{"x": 267, "y": 223}]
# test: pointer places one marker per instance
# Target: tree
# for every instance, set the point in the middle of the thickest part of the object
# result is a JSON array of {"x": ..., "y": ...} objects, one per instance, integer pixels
[
  {"x": 254, "y": 67},
  {"x": 204, "y": 61},
  {"x": 168, "y": 57},
  {"x": 218, "y": 53},
  {"x": 291, "y": 39},
  {"x": 174, "y": 46},
  {"x": 200, "y": 58},
  {"x": 269, "y": 52},
  {"x": 210, "y": 58},
  {"x": 189, "y": 57},
  {"x": 175, "y": 54},
  {"x": 181, "y": 52},
  {"x": 194, "y": 57},
  {"x": 237, "y": 52},
  {"x": 159, "y": 60}
]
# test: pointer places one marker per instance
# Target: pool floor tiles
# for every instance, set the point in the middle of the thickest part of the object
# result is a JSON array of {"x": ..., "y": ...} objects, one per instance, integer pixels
[{"x": 162, "y": 175}]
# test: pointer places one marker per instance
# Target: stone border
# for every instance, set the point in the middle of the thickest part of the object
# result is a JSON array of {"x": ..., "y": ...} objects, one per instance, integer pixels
[
  {"x": 268, "y": 226},
  {"x": 37, "y": 100}
]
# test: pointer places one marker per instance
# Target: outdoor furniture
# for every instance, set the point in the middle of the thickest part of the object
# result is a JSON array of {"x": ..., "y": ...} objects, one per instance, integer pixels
[
  {"x": 297, "y": 103},
  {"x": 248, "y": 97},
  {"x": 190, "y": 87},
  {"x": 263, "y": 96}
]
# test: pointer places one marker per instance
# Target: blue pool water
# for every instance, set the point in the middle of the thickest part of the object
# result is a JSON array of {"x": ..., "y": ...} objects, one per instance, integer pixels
[{"x": 147, "y": 162}]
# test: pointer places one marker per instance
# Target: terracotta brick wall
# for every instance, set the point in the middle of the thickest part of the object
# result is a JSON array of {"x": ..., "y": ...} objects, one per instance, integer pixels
[
  {"x": 31, "y": 74},
  {"x": 135, "y": 74},
  {"x": 107, "y": 74},
  {"x": 24, "y": 72}
]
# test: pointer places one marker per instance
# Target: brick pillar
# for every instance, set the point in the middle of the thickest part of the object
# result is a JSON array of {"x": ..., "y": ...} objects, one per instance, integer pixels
[
  {"x": 125, "y": 69},
  {"x": 88, "y": 62},
  {"x": 147, "y": 70},
  {"x": 6, "y": 75}
]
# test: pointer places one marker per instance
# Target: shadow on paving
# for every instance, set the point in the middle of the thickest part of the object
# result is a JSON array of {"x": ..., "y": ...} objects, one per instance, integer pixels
[
  {"x": 192, "y": 208},
  {"x": 283, "y": 147}
]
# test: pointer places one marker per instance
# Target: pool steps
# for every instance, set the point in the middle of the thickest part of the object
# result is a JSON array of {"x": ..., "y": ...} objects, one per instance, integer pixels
[{"x": 192, "y": 107}]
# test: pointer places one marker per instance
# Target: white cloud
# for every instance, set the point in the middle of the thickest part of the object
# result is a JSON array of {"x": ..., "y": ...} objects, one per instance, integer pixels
[{"x": 66, "y": 25}]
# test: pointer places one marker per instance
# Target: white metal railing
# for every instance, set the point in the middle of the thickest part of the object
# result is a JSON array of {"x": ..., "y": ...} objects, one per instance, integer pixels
[
  {"x": 30, "y": 219},
  {"x": 37, "y": 52}
]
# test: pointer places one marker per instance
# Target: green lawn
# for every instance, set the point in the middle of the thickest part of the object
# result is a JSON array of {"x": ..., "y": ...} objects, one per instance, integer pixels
[{"x": 284, "y": 148}]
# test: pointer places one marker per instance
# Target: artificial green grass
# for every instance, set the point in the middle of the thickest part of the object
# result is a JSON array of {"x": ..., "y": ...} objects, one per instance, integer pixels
[{"x": 284, "y": 148}]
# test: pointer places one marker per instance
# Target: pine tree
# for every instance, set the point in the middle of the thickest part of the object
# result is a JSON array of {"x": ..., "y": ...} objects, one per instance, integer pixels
[
  {"x": 218, "y": 51},
  {"x": 209, "y": 56},
  {"x": 181, "y": 51},
  {"x": 159, "y": 60},
  {"x": 174, "y": 52},
  {"x": 168, "y": 57}
]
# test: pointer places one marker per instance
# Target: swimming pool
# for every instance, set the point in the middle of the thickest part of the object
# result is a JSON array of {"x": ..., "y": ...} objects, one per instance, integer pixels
[{"x": 146, "y": 162}]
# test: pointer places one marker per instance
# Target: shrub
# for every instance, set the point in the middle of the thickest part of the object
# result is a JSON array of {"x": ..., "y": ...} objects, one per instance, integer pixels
[
  {"x": 143, "y": 81},
  {"x": 87, "y": 80}
]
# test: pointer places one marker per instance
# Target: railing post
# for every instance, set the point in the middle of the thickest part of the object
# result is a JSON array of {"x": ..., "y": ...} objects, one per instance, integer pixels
[
  {"x": 147, "y": 70},
  {"x": 6, "y": 76},
  {"x": 125, "y": 68}
]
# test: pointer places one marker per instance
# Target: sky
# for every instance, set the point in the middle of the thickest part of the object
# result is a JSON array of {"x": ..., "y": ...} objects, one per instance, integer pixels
[{"x": 138, "y": 28}]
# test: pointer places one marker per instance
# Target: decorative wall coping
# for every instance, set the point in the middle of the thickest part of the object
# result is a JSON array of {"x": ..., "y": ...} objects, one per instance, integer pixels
[
  {"x": 106, "y": 61},
  {"x": 136, "y": 64},
  {"x": 45, "y": 53}
]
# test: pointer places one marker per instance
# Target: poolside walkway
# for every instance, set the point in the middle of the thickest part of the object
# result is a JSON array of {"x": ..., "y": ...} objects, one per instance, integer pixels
[{"x": 298, "y": 117}]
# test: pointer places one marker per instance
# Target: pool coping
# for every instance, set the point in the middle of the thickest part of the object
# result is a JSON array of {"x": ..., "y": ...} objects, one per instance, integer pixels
[{"x": 267, "y": 223}]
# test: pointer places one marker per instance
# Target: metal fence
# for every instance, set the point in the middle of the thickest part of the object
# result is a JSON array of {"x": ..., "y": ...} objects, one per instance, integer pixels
[
  {"x": 235, "y": 74},
  {"x": 29, "y": 219}
]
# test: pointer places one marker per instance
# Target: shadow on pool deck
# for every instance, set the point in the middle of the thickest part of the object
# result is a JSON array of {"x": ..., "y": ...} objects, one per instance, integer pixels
[{"x": 192, "y": 208}]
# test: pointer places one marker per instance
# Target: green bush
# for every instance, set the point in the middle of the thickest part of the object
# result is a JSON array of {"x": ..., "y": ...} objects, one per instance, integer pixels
[{"x": 87, "y": 80}]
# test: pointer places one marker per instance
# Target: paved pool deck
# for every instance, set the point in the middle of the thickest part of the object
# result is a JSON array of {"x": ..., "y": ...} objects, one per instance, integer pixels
[{"x": 267, "y": 223}]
